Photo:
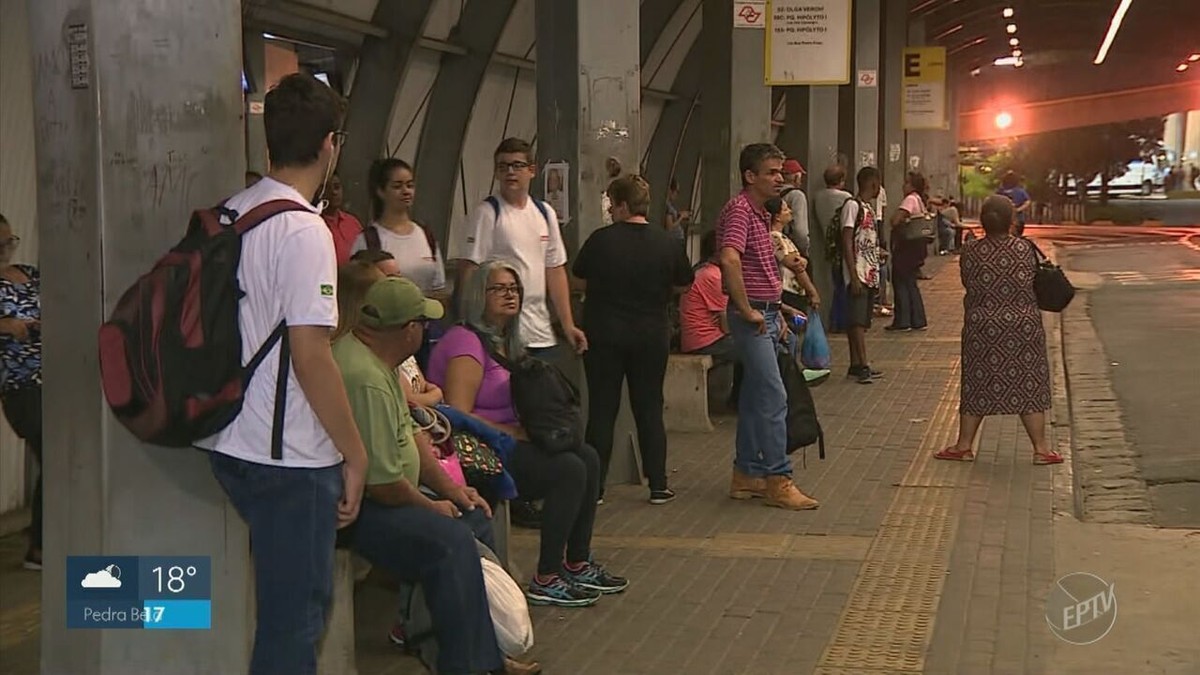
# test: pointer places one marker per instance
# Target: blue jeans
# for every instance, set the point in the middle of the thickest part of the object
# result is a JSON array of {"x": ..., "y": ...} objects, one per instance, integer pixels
[
  {"x": 762, "y": 404},
  {"x": 439, "y": 553},
  {"x": 292, "y": 514}
]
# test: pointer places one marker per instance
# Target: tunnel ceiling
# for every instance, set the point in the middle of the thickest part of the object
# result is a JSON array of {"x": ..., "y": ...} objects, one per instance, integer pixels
[{"x": 1061, "y": 32}]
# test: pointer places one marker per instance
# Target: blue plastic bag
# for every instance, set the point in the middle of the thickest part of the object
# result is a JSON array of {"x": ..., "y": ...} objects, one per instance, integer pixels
[{"x": 814, "y": 353}]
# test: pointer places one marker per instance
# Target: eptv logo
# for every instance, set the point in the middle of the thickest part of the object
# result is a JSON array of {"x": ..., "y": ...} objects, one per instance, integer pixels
[{"x": 1081, "y": 608}]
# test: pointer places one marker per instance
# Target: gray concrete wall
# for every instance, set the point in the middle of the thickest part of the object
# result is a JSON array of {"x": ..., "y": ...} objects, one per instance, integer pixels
[{"x": 153, "y": 130}]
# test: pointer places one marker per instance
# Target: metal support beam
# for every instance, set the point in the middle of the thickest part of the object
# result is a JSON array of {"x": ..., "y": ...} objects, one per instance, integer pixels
[
  {"x": 381, "y": 66},
  {"x": 450, "y": 106},
  {"x": 662, "y": 154},
  {"x": 654, "y": 17}
]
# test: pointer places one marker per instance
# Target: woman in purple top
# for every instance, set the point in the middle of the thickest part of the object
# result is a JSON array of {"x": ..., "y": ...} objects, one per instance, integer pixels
[{"x": 568, "y": 482}]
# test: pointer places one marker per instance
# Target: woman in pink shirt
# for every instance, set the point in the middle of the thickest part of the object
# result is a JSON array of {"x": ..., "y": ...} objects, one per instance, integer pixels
[
  {"x": 568, "y": 482},
  {"x": 344, "y": 227}
]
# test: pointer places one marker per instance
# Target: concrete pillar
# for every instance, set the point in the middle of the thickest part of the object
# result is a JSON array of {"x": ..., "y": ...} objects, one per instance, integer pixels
[
  {"x": 866, "y": 94},
  {"x": 589, "y": 109},
  {"x": 935, "y": 150},
  {"x": 793, "y": 138},
  {"x": 1174, "y": 133},
  {"x": 138, "y": 121},
  {"x": 588, "y": 99},
  {"x": 254, "y": 57},
  {"x": 736, "y": 108},
  {"x": 893, "y": 153},
  {"x": 1191, "y": 139}
]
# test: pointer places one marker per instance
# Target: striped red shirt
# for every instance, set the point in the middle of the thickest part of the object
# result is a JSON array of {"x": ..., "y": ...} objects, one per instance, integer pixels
[{"x": 747, "y": 230}]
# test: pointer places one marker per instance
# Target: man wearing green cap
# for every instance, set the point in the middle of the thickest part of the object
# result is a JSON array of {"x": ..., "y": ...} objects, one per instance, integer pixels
[{"x": 416, "y": 538}]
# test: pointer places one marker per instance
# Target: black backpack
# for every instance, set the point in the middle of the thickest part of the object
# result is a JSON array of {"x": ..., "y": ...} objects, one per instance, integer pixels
[
  {"x": 546, "y": 402},
  {"x": 803, "y": 426},
  {"x": 833, "y": 232}
]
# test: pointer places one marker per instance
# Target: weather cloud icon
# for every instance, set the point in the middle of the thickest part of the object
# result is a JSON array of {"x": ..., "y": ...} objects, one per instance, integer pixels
[{"x": 109, "y": 577}]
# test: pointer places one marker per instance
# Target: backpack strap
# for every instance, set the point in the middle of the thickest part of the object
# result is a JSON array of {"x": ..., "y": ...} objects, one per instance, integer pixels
[
  {"x": 261, "y": 213},
  {"x": 486, "y": 342},
  {"x": 279, "y": 335},
  {"x": 371, "y": 236},
  {"x": 541, "y": 207}
]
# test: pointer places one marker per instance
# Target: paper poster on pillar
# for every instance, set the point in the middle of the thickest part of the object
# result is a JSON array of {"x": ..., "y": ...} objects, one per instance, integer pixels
[
  {"x": 924, "y": 88},
  {"x": 807, "y": 42},
  {"x": 557, "y": 189}
]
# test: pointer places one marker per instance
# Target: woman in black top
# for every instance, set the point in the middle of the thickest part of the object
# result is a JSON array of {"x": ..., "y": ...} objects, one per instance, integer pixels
[{"x": 632, "y": 271}]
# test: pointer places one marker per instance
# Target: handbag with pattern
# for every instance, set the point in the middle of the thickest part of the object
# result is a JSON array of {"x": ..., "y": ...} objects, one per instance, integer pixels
[{"x": 477, "y": 459}]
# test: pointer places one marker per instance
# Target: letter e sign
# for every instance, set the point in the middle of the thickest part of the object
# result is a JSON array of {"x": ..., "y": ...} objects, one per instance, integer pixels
[{"x": 912, "y": 65}]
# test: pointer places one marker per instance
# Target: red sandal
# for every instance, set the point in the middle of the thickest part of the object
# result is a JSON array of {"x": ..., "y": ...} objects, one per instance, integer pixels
[
  {"x": 1041, "y": 458},
  {"x": 955, "y": 455}
]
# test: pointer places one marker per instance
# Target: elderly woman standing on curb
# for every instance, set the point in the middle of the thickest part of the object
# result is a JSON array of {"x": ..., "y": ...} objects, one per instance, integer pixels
[{"x": 1001, "y": 313}]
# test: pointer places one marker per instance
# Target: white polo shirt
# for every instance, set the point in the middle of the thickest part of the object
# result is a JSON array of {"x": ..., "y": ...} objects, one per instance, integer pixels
[
  {"x": 288, "y": 270},
  {"x": 532, "y": 243}
]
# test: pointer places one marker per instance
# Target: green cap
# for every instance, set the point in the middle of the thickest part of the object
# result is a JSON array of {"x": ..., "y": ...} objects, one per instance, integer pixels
[{"x": 394, "y": 302}]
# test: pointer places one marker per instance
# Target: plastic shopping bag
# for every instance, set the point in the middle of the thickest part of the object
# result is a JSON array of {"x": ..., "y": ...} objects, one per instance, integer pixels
[
  {"x": 510, "y": 612},
  {"x": 814, "y": 353}
]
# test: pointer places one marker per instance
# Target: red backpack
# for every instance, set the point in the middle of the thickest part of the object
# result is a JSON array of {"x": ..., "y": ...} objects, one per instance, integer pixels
[{"x": 171, "y": 353}]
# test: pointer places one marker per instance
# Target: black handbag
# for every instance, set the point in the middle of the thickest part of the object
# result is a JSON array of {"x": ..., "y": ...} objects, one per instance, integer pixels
[
  {"x": 1050, "y": 284},
  {"x": 920, "y": 227},
  {"x": 803, "y": 425}
]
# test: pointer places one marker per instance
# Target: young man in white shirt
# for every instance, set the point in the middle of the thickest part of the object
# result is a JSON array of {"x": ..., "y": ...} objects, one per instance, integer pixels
[
  {"x": 515, "y": 227},
  {"x": 295, "y": 500}
]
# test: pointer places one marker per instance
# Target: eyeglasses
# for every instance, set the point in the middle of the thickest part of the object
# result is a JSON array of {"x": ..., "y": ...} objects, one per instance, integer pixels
[
  {"x": 504, "y": 289},
  {"x": 11, "y": 241},
  {"x": 505, "y": 167},
  {"x": 339, "y": 138}
]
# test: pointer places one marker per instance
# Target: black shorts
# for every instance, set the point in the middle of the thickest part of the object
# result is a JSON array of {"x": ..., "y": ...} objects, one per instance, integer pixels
[{"x": 860, "y": 308}]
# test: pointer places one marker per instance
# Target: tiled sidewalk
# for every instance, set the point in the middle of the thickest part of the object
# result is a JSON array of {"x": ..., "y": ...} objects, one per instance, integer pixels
[{"x": 909, "y": 565}]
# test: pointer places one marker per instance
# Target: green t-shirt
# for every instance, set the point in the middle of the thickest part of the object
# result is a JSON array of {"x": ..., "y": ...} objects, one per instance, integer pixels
[{"x": 381, "y": 413}]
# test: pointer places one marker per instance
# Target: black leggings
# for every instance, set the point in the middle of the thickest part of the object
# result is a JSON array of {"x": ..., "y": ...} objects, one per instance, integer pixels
[
  {"x": 643, "y": 366},
  {"x": 569, "y": 484},
  {"x": 23, "y": 408}
]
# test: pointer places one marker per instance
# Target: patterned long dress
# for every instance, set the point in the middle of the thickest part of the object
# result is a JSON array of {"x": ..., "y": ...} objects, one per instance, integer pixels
[{"x": 1004, "y": 366}]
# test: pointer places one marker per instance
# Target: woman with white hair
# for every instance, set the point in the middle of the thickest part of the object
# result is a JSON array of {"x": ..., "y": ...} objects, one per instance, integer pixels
[{"x": 473, "y": 380}]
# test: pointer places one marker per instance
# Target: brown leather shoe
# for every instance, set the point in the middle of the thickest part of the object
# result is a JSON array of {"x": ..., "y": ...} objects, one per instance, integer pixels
[
  {"x": 742, "y": 486},
  {"x": 514, "y": 667},
  {"x": 783, "y": 493}
]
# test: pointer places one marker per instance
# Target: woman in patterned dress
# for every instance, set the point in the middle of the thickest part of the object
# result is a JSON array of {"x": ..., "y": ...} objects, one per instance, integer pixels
[
  {"x": 1004, "y": 366},
  {"x": 21, "y": 366}
]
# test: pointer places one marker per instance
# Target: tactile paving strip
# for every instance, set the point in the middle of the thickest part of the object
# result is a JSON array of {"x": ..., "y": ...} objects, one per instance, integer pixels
[
  {"x": 888, "y": 620},
  {"x": 894, "y": 640}
]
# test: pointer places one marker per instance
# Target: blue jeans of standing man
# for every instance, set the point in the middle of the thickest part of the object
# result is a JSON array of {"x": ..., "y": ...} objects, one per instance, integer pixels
[
  {"x": 292, "y": 514},
  {"x": 762, "y": 405}
]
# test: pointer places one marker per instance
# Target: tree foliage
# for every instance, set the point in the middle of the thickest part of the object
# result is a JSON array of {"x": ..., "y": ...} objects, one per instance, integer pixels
[{"x": 1046, "y": 160}]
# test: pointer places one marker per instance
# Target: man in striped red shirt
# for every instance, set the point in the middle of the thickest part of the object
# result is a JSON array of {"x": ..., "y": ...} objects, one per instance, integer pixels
[{"x": 761, "y": 467}]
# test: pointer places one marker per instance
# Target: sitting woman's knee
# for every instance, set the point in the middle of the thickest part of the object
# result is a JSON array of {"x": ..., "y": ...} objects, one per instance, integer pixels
[
  {"x": 591, "y": 458},
  {"x": 571, "y": 468}
]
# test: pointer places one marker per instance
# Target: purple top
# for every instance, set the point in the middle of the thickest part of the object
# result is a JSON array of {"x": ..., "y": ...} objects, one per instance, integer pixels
[{"x": 493, "y": 402}]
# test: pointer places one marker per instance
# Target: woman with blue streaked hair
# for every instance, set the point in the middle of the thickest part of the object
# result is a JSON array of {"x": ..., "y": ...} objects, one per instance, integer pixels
[{"x": 473, "y": 380}]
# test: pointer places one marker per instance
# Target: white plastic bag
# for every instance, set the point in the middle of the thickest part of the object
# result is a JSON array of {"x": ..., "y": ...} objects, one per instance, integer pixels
[{"x": 510, "y": 612}]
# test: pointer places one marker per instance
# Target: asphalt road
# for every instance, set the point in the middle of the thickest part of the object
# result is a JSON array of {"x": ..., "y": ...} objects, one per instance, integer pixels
[{"x": 1147, "y": 314}]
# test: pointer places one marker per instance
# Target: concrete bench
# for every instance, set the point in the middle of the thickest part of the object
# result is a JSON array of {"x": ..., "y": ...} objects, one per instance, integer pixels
[
  {"x": 685, "y": 393},
  {"x": 336, "y": 655}
]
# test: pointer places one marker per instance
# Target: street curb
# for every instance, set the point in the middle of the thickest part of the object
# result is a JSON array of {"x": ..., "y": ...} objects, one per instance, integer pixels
[
  {"x": 1068, "y": 497},
  {"x": 1106, "y": 480}
]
